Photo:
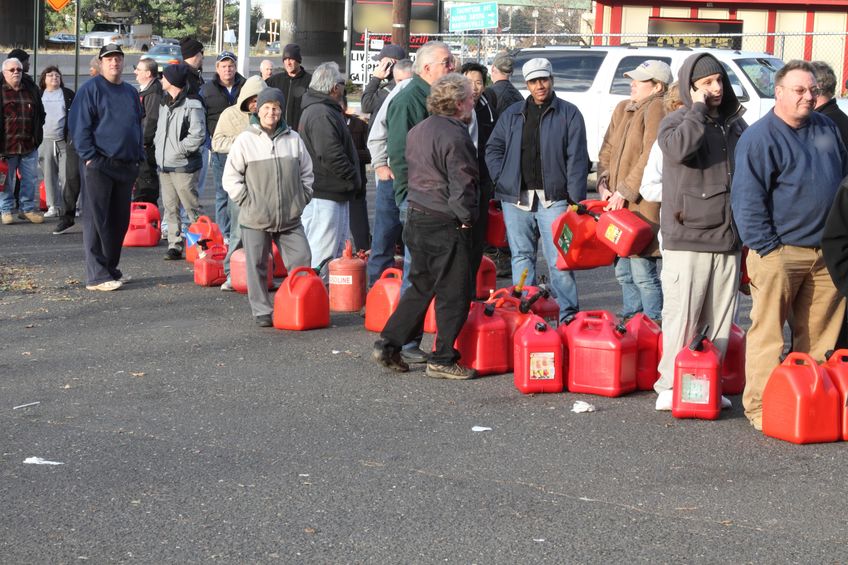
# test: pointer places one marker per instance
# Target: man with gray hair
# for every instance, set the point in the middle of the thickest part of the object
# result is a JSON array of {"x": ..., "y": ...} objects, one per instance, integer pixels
[
  {"x": 335, "y": 163},
  {"x": 505, "y": 94},
  {"x": 825, "y": 101},
  {"x": 150, "y": 93}
]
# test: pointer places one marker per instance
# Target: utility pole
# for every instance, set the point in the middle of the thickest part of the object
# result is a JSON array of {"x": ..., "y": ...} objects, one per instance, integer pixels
[{"x": 400, "y": 22}]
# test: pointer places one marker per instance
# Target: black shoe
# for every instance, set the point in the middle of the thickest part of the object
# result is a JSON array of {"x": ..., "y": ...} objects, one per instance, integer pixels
[
  {"x": 414, "y": 355},
  {"x": 264, "y": 321},
  {"x": 63, "y": 226},
  {"x": 173, "y": 254},
  {"x": 390, "y": 360},
  {"x": 454, "y": 372}
]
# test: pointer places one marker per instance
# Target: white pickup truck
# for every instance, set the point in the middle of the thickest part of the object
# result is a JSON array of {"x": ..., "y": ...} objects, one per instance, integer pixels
[
  {"x": 139, "y": 36},
  {"x": 593, "y": 78}
]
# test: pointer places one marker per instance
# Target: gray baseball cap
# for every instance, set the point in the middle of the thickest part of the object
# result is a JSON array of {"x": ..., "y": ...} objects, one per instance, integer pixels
[{"x": 537, "y": 68}]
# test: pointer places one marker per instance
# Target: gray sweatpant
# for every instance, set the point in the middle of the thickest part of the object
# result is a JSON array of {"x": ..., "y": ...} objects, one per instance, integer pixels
[
  {"x": 294, "y": 249},
  {"x": 179, "y": 188}
]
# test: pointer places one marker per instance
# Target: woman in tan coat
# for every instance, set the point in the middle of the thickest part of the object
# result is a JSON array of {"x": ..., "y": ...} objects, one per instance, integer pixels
[{"x": 624, "y": 153}]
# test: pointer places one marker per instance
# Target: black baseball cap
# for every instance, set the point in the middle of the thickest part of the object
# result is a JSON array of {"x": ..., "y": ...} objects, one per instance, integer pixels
[
  {"x": 390, "y": 50},
  {"x": 110, "y": 49}
]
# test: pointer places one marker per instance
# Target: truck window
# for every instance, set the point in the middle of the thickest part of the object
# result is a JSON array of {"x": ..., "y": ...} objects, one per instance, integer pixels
[
  {"x": 111, "y": 28},
  {"x": 620, "y": 83},
  {"x": 760, "y": 72},
  {"x": 574, "y": 71},
  {"x": 734, "y": 81}
]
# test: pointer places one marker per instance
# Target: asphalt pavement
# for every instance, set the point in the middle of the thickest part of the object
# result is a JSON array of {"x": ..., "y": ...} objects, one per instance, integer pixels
[{"x": 187, "y": 434}]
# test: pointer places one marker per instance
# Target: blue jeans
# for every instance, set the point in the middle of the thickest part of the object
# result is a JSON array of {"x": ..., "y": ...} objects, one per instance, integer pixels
[
  {"x": 387, "y": 231},
  {"x": 521, "y": 232},
  {"x": 641, "y": 289},
  {"x": 327, "y": 226},
  {"x": 28, "y": 166},
  {"x": 222, "y": 216}
]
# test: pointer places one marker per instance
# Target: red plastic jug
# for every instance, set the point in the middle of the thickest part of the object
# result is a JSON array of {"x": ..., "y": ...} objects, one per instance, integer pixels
[
  {"x": 576, "y": 239},
  {"x": 733, "y": 367},
  {"x": 207, "y": 230},
  {"x": 624, "y": 232},
  {"x": 601, "y": 356},
  {"x": 430, "y": 318},
  {"x": 513, "y": 314},
  {"x": 800, "y": 402},
  {"x": 383, "y": 299},
  {"x": 697, "y": 383},
  {"x": 209, "y": 266},
  {"x": 544, "y": 306},
  {"x": 647, "y": 334},
  {"x": 279, "y": 267},
  {"x": 347, "y": 282},
  {"x": 837, "y": 370},
  {"x": 238, "y": 271},
  {"x": 302, "y": 302},
  {"x": 538, "y": 358},
  {"x": 482, "y": 343},
  {"x": 42, "y": 197},
  {"x": 143, "y": 230},
  {"x": 487, "y": 279},
  {"x": 496, "y": 228}
]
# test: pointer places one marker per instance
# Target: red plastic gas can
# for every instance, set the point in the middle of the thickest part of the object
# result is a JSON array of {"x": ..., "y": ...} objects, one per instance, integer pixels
[
  {"x": 238, "y": 271},
  {"x": 544, "y": 306},
  {"x": 430, "y": 318},
  {"x": 209, "y": 266},
  {"x": 383, "y": 299},
  {"x": 647, "y": 334},
  {"x": 347, "y": 282},
  {"x": 510, "y": 309},
  {"x": 576, "y": 239},
  {"x": 302, "y": 302},
  {"x": 837, "y": 370},
  {"x": 538, "y": 358},
  {"x": 601, "y": 356},
  {"x": 697, "y": 383},
  {"x": 800, "y": 402},
  {"x": 206, "y": 229},
  {"x": 624, "y": 232},
  {"x": 42, "y": 197},
  {"x": 496, "y": 228},
  {"x": 279, "y": 267},
  {"x": 487, "y": 279},
  {"x": 733, "y": 367},
  {"x": 143, "y": 230},
  {"x": 482, "y": 343}
]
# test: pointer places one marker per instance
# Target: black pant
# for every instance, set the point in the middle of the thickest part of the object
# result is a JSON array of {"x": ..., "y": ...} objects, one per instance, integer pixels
[
  {"x": 478, "y": 234},
  {"x": 441, "y": 255},
  {"x": 147, "y": 183},
  {"x": 73, "y": 182},
  {"x": 106, "y": 216},
  {"x": 359, "y": 227}
]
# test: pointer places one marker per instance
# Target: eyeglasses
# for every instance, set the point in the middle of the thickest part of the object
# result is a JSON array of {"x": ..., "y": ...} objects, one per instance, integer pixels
[
  {"x": 801, "y": 91},
  {"x": 448, "y": 63},
  {"x": 14, "y": 70}
]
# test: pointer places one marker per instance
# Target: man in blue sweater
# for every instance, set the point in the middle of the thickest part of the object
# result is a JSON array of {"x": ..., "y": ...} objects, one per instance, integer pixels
[
  {"x": 105, "y": 122},
  {"x": 788, "y": 167}
]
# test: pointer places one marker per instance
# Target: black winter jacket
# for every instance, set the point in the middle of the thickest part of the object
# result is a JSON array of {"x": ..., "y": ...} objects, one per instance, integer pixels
[
  {"x": 293, "y": 89},
  {"x": 151, "y": 99},
  {"x": 217, "y": 99}
]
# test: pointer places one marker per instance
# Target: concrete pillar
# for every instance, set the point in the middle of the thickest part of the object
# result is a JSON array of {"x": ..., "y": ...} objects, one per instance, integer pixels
[{"x": 288, "y": 22}]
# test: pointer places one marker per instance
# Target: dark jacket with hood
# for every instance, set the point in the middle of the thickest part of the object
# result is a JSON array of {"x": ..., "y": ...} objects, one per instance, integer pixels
[
  {"x": 151, "y": 99},
  {"x": 334, "y": 158},
  {"x": 39, "y": 115},
  {"x": 217, "y": 99},
  {"x": 832, "y": 110},
  {"x": 698, "y": 169},
  {"x": 293, "y": 89}
]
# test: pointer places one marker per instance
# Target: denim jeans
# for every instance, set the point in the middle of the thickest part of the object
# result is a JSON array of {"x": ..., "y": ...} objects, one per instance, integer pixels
[
  {"x": 387, "y": 231},
  {"x": 523, "y": 230},
  {"x": 641, "y": 289},
  {"x": 327, "y": 225},
  {"x": 28, "y": 166},
  {"x": 222, "y": 215}
]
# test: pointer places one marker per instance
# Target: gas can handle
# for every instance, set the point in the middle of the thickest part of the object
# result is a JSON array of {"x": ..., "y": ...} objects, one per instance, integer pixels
[
  {"x": 840, "y": 356},
  {"x": 392, "y": 271},
  {"x": 796, "y": 358},
  {"x": 698, "y": 341}
]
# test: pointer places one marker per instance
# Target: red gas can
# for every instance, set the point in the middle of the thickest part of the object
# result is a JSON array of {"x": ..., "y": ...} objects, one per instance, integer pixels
[
  {"x": 576, "y": 239},
  {"x": 601, "y": 356},
  {"x": 238, "y": 271},
  {"x": 206, "y": 229},
  {"x": 209, "y": 266},
  {"x": 487, "y": 279},
  {"x": 302, "y": 302},
  {"x": 514, "y": 315},
  {"x": 42, "y": 197},
  {"x": 482, "y": 343},
  {"x": 837, "y": 370},
  {"x": 800, "y": 402},
  {"x": 383, "y": 299},
  {"x": 347, "y": 282},
  {"x": 733, "y": 367},
  {"x": 143, "y": 230},
  {"x": 538, "y": 358},
  {"x": 647, "y": 334},
  {"x": 624, "y": 232},
  {"x": 697, "y": 383},
  {"x": 279, "y": 267},
  {"x": 543, "y": 305},
  {"x": 430, "y": 318},
  {"x": 496, "y": 228}
]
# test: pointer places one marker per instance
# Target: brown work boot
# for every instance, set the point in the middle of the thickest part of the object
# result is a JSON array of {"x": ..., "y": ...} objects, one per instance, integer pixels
[
  {"x": 454, "y": 372},
  {"x": 389, "y": 359},
  {"x": 8, "y": 218},
  {"x": 32, "y": 216}
]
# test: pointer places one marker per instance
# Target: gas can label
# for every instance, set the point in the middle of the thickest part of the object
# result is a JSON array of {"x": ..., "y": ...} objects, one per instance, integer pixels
[
  {"x": 695, "y": 389},
  {"x": 613, "y": 233},
  {"x": 565, "y": 238},
  {"x": 341, "y": 279},
  {"x": 542, "y": 366}
]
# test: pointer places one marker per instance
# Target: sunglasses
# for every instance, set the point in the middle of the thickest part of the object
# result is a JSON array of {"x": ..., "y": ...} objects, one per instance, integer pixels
[{"x": 16, "y": 70}]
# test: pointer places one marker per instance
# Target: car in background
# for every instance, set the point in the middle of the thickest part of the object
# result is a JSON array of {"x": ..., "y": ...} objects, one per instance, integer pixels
[
  {"x": 164, "y": 54},
  {"x": 272, "y": 48},
  {"x": 62, "y": 39},
  {"x": 167, "y": 41}
]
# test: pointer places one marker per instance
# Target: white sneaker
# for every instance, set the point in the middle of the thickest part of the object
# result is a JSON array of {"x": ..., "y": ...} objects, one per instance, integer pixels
[
  {"x": 51, "y": 212},
  {"x": 664, "y": 400},
  {"x": 725, "y": 403},
  {"x": 107, "y": 286}
]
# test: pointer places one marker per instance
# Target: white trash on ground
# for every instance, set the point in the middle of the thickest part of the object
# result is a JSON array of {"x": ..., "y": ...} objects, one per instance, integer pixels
[
  {"x": 580, "y": 407},
  {"x": 481, "y": 429},
  {"x": 40, "y": 461}
]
